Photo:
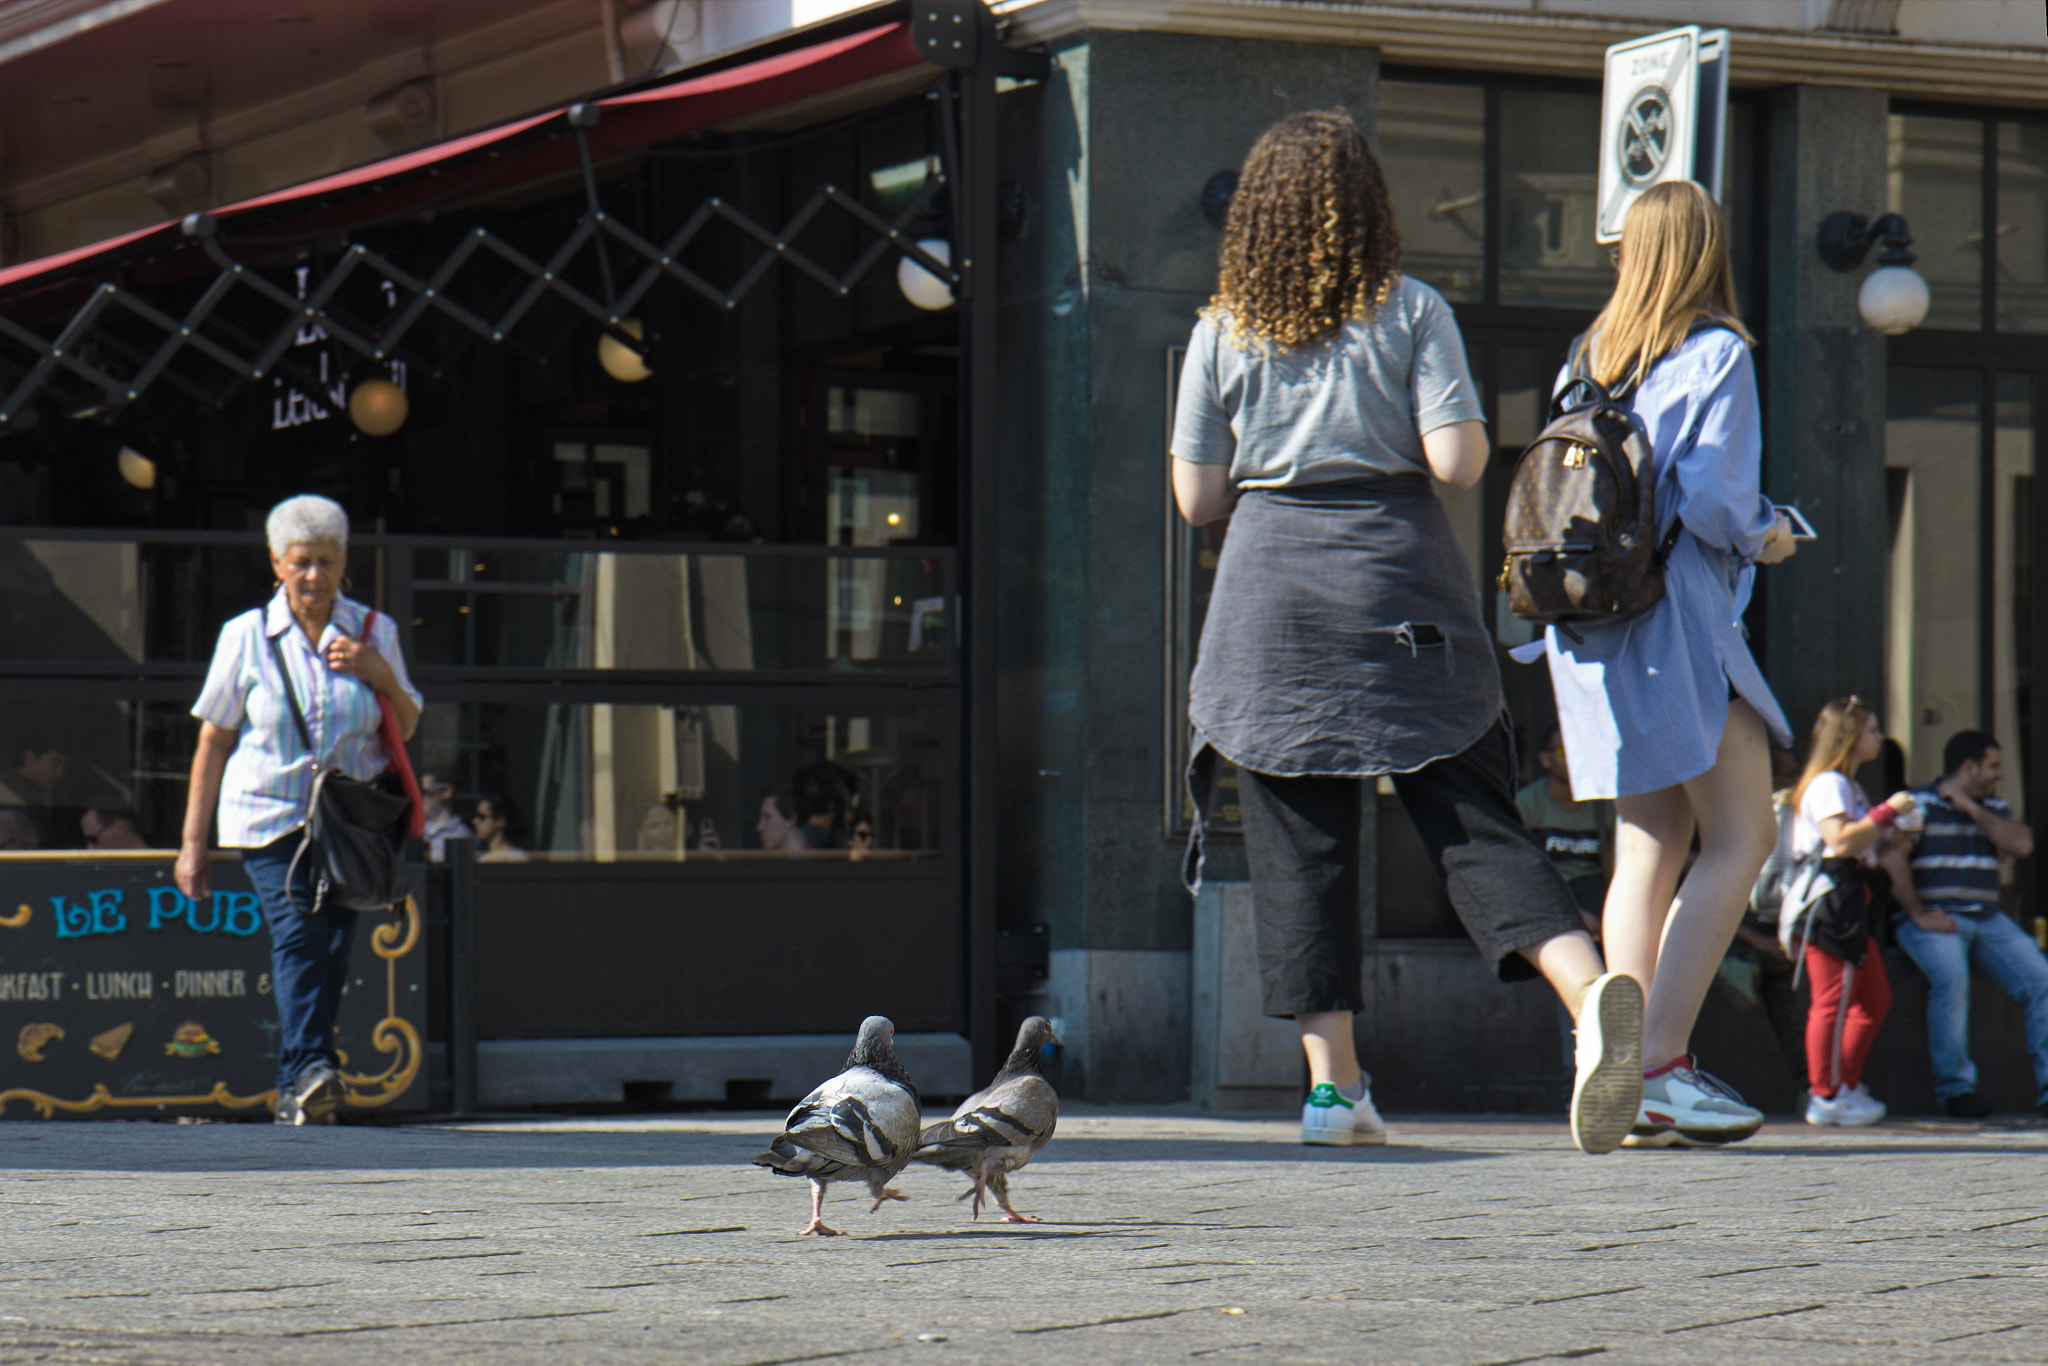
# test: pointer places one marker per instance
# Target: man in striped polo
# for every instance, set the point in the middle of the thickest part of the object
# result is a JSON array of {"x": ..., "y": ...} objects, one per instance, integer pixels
[{"x": 1955, "y": 876}]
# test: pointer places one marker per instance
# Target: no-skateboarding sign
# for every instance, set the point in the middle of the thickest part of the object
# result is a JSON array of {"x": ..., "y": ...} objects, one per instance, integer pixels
[{"x": 1662, "y": 113}]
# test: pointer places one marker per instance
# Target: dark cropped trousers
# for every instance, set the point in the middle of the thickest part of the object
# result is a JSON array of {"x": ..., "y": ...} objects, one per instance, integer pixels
[{"x": 1301, "y": 836}]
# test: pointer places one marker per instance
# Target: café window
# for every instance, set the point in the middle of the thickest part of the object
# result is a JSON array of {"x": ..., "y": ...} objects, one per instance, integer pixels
[{"x": 1953, "y": 173}]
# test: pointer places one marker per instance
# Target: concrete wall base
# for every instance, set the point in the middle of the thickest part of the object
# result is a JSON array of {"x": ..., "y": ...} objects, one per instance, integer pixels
[
  {"x": 1123, "y": 1023},
  {"x": 521, "y": 1072}
]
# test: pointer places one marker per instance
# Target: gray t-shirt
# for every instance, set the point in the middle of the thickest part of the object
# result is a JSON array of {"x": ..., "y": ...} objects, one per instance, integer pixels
[{"x": 1354, "y": 406}]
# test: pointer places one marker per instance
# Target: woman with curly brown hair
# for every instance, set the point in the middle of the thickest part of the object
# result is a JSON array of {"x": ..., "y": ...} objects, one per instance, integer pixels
[{"x": 1321, "y": 393}]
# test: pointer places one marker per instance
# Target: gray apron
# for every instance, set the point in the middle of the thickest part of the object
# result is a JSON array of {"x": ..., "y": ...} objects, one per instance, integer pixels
[{"x": 1343, "y": 639}]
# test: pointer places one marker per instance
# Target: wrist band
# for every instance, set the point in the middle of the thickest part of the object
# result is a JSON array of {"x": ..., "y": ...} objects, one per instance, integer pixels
[{"x": 1883, "y": 814}]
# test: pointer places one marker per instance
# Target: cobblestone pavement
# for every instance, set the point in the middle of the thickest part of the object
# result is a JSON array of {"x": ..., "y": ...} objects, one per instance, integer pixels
[{"x": 1168, "y": 1236}]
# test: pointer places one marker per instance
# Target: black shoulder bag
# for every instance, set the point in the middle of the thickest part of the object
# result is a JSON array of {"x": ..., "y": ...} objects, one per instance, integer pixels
[{"x": 355, "y": 831}]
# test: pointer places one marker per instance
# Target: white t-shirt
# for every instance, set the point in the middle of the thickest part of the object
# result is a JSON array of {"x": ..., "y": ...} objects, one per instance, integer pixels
[{"x": 1829, "y": 794}]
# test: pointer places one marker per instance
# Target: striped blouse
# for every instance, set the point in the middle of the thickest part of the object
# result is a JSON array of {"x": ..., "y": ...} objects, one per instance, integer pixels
[{"x": 268, "y": 786}]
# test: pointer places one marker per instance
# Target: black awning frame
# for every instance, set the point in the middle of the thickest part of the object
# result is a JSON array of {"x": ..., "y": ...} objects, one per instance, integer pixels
[{"x": 70, "y": 352}]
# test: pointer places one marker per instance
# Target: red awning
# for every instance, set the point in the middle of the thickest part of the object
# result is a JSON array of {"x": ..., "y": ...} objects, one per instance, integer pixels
[{"x": 641, "y": 119}]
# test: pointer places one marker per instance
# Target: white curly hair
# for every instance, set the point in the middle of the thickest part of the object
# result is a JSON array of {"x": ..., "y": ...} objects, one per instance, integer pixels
[{"x": 306, "y": 520}]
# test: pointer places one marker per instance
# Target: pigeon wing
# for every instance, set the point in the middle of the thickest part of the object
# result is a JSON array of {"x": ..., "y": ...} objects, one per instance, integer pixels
[
  {"x": 1019, "y": 1114},
  {"x": 860, "y": 1120}
]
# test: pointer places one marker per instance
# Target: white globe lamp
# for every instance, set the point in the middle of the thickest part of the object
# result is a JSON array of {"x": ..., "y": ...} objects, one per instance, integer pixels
[
  {"x": 924, "y": 289},
  {"x": 1893, "y": 300}
]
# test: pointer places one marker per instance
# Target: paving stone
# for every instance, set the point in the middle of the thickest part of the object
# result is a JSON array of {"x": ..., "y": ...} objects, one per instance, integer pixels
[{"x": 1168, "y": 1236}]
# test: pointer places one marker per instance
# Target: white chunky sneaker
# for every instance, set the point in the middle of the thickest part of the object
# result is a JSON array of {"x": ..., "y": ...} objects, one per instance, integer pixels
[
  {"x": 1857, "y": 1107},
  {"x": 1332, "y": 1120},
  {"x": 1608, "y": 1059},
  {"x": 1697, "y": 1106},
  {"x": 1822, "y": 1111}
]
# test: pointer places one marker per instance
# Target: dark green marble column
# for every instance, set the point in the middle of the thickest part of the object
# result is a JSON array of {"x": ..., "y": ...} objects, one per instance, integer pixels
[{"x": 1824, "y": 377}]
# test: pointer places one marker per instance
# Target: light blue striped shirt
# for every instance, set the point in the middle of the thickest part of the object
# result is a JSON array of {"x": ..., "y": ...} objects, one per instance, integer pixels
[{"x": 268, "y": 786}]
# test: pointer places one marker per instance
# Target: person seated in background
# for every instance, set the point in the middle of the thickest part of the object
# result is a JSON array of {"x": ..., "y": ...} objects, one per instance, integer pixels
[
  {"x": 661, "y": 828},
  {"x": 500, "y": 832},
  {"x": 442, "y": 822},
  {"x": 1577, "y": 836},
  {"x": 111, "y": 828},
  {"x": 1958, "y": 924},
  {"x": 860, "y": 840},
  {"x": 777, "y": 824},
  {"x": 31, "y": 787},
  {"x": 821, "y": 817},
  {"x": 18, "y": 833}
]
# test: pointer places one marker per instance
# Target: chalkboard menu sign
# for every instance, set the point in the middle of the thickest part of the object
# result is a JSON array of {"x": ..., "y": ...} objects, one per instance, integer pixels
[{"x": 122, "y": 998}]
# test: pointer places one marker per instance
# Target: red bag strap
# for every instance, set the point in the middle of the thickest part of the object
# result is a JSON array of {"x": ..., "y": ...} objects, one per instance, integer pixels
[{"x": 394, "y": 744}]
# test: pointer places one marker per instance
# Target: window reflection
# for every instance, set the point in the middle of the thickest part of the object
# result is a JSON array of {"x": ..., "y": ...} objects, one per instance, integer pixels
[
  {"x": 644, "y": 783},
  {"x": 1936, "y": 179},
  {"x": 1932, "y": 435},
  {"x": 1432, "y": 141},
  {"x": 2012, "y": 522},
  {"x": 1550, "y": 183},
  {"x": 105, "y": 775},
  {"x": 545, "y": 609},
  {"x": 2022, "y": 245}
]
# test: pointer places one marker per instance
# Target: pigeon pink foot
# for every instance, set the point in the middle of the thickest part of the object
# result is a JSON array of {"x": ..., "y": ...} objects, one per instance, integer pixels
[{"x": 888, "y": 1193}]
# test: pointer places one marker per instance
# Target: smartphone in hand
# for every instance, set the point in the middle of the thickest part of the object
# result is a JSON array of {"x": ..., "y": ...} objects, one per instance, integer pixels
[{"x": 1802, "y": 530}]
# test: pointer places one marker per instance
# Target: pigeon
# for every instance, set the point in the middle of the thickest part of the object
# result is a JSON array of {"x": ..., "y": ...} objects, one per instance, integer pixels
[
  {"x": 1000, "y": 1127},
  {"x": 859, "y": 1126}
]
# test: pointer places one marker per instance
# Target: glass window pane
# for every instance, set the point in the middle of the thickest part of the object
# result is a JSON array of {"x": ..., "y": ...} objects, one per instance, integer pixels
[
  {"x": 730, "y": 611},
  {"x": 1931, "y": 446},
  {"x": 2012, "y": 649},
  {"x": 124, "y": 761},
  {"x": 1432, "y": 142},
  {"x": 115, "y": 602},
  {"x": 670, "y": 784},
  {"x": 1549, "y": 143},
  {"x": 1936, "y": 180},
  {"x": 2023, "y": 227}
]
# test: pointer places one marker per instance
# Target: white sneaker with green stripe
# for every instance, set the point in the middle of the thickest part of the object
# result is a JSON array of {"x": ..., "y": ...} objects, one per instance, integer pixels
[{"x": 1330, "y": 1118}]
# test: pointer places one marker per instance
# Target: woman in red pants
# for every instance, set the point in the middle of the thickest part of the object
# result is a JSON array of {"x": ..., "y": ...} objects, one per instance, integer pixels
[{"x": 1860, "y": 850}]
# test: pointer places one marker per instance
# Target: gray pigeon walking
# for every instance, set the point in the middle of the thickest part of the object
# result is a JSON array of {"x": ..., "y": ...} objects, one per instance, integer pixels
[
  {"x": 1000, "y": 1127},
  {"x": 859, "y": 1126}
]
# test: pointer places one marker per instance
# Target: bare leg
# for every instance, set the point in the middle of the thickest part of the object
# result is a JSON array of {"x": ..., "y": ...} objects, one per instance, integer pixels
[
  {"x": 888, "y": 1193},
  {"x": 817, "y": 1224},
  {"x": 1653, "y": 834},
  {"x": 1332, "y": 1053},
  {"x": 1732, "y": 803},
  {"x": 1569, "y": 962},
  {"x": 980, "y": 1186}
]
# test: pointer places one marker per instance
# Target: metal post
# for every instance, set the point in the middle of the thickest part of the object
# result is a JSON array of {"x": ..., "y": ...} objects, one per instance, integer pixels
[{"x": 461, "y": 856}]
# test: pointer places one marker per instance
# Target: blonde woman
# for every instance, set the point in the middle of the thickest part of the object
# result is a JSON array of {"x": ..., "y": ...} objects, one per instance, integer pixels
[
  {"x": 1863, "y": 854},
  {"x": 1667, "y": 713},
  {"x": 1321, "y": 394}
]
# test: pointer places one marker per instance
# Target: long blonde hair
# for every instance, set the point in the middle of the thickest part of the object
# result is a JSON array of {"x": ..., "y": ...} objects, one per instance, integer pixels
[
  {"x": 1309, "y": 244},
  {"x": 1836, "y": 731},
  {"x": 1674, "y": 270}
]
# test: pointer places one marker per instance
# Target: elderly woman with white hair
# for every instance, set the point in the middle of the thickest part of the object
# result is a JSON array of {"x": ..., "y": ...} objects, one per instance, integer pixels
[{"x": 255, "y": 771}]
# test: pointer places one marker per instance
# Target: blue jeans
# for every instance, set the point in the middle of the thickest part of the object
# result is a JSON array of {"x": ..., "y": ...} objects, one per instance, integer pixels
[
  {"x": 1991, "y": 941},
  {"x": 308, "y": 959}
]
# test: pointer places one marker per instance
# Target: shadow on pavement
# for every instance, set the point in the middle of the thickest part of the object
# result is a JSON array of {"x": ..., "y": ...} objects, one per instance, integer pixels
[{"x": 98, "y": 1146}]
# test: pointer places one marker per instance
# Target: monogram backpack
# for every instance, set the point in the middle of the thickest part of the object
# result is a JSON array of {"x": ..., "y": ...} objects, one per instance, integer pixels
[{"x": 1581, "y": 525}]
